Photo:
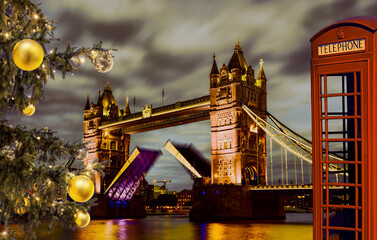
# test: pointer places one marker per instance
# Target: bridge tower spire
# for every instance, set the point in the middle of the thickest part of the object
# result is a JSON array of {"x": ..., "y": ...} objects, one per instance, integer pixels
[
  {"x": 238, "y": 155},
  {"x": 103, "y": 144}
]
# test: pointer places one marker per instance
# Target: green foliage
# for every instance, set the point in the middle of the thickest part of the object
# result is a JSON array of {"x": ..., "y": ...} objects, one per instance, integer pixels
[
  {"x": 32, "y": 179},
  {"x": 33, "y": 172},
  {"x": 21, "y": 19}
]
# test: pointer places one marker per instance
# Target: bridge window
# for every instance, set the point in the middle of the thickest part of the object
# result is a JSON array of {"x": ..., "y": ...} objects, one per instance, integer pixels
[
  {"x": 91, "y": 124},
  {"x": 230, "y": 120},
  {"x": 225, "y": 144},
  {"x": 113, "y": 145},
  {"x": 104, "y": 145}
]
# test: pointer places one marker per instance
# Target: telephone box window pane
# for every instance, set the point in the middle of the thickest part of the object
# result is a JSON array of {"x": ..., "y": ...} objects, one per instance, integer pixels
[
  {"x": 323, "y": 110},
  {"x": 358, "y": 105},
  {"x": 341, "y": 128},
  {"x": 342, "y": 173},
  {"x": 341, "y": 195},
  {"x": 340, "y": 83},
  {"x": 324, "y": 174},
  {"x": 339, "y": 151},
  {"x": 324, "y": 216},
  {"x": 323, "y": 123},
  {"x": 359, "y": 150},
  {"x": 358, "y": 85},
  {"x": 359, "y": 220},
  {"x": 360, "y": 196},
  {"x": 322, "y": 84},
  {"x": 359, "y": 174},
  {"x": 340, "y": 106},
  {"x": 342, "y": 217},
  {"x": 341, "y": 235}
]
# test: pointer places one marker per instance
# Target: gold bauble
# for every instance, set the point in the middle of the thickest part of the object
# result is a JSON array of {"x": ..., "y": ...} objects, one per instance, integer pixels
[
  {"x": 82, "y": 218},
  {"x": 29, "y": 110},
  {"x": 81, "y": 188},
  {"x": 22, "y": 210},
  {"x": 27, "y": 54}
]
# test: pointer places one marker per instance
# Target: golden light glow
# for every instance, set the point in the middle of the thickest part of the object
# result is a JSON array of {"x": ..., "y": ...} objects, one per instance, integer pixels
[
  {"x": 82, "y": 218},
  {"x": 253, "y": 128},
  {"x": 29, "y": 110},
  {"x": 81, "y": 188},
  {"x": 36, "y": 16},
  {"x": 28, "y": 54},
  {"x": 244, "y": 77}
]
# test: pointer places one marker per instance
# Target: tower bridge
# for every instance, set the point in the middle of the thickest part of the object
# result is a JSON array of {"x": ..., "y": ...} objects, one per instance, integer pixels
[
  {"x": 237, "y": 109},
  {"x": 238, "y": 155}
]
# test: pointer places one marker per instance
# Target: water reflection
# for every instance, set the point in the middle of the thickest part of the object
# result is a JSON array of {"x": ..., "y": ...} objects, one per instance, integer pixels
[{"x": 179, "y": 228}]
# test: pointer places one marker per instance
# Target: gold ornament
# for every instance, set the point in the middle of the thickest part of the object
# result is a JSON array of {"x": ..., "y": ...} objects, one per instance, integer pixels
[
  {"x": 22, "y": 210},
  {"x": 81, "y": 188},
  {"x": 27, "y": 54},
  {"x": 29, "y": 110},
  {"x": 82, "y": 218}
]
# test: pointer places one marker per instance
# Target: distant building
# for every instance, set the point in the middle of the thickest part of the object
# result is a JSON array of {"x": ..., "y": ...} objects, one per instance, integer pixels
[
  {"x": 184, "y": 196},
  {"x": 146, "y": 191},
  {"x": 157, "y": 190}
]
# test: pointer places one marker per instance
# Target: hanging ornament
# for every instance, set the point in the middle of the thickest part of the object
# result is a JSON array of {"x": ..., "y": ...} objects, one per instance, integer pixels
[
  {"x": 27, "y": 54},
  {"x": 81, "y": 188},
  {"x": 22, "y": 210},
  {"x": 29, "y": 110},
  {"x": 82, "y": 218},
  {"x": 103, "y": 61},
  {"x": 82, "y": 154}
]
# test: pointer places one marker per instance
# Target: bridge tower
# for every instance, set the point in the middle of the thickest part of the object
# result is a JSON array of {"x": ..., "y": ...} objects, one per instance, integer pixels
[
  {"x": 238, "y": 147},
  {"x": 103, "y": 144}
]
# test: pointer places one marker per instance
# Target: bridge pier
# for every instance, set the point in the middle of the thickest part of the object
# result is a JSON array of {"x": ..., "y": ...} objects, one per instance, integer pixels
[
  {"x": 232, "y": 202},
  {"x": 133, "y": 208}
]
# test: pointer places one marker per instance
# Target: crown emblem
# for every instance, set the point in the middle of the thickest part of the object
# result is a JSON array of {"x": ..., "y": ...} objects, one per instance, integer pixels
[{"x": 340, "y": 33}]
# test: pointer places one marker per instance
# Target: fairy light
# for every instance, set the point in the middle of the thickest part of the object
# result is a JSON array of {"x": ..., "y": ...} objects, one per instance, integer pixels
[{"x": 36, "y": 16}]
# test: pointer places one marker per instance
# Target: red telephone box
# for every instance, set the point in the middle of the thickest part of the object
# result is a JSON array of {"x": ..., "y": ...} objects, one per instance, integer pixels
[{"x": 344, "y": 119}]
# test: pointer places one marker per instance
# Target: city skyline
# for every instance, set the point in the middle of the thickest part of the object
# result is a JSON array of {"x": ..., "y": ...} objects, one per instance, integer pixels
[{"x": 169, "y": 45}]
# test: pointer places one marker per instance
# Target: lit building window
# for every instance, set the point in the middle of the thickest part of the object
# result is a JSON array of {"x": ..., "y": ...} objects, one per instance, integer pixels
[{"x": 113, "y": 145}]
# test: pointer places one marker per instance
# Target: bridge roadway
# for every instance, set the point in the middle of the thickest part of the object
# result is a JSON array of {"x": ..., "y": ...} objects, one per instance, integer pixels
[{"x": 192, "y": 110}]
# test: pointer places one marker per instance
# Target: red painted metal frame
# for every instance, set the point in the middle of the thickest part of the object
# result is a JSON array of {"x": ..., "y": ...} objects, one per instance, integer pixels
[{"x": 363, "y": 62}]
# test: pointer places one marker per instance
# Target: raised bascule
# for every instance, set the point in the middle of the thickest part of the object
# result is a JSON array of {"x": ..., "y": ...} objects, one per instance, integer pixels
[{"x": 238, "y": 147}]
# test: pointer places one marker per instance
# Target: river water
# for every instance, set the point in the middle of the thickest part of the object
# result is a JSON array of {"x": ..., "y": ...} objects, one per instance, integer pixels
[{"x": 163, "y": 227}]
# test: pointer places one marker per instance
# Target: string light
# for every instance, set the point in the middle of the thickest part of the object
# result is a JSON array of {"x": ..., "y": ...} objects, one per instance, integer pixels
[{"x": 36, "y": 16}]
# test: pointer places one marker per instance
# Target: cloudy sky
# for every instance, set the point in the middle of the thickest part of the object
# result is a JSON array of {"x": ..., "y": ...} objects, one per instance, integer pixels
[{"x": 169, "y": 44}]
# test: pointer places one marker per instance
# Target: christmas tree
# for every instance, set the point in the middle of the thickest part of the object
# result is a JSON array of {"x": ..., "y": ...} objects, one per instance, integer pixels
[{"x": 34, "y": 164}]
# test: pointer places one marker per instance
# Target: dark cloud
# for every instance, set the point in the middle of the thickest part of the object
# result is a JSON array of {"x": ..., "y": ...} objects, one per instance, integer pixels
[
  {"x": 329, "y": 13},
  {"x": 297, "y": 62},
  {"x": 78, "y": 24},
  {"x": 160, "y": 67},
  {"x": 99, "y": 80}
]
